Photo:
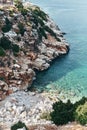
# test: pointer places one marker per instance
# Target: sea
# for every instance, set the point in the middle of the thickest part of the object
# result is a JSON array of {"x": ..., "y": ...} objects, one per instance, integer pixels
[{"x": 67, "y": 75}]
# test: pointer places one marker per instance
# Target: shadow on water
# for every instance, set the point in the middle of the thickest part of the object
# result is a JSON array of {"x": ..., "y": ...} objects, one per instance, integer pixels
[{"x": 59, "y": 68}]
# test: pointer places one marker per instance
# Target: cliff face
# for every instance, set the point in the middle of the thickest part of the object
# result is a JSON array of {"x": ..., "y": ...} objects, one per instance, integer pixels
[{"x": 29, "y": 40}]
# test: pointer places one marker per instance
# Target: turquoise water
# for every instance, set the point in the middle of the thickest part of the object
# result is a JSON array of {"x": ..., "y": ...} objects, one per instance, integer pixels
[{"x": 67, "y": 74}]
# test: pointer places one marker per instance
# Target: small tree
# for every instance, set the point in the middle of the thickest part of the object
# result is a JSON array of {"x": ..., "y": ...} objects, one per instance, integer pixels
[
  {"x": 62, "y": 112},
  {"x": 19, "y": 125},
  {"x": 5, "y": 43},
  {"x": 2, "y": 52},
  {"x": 68, "y": 112}
]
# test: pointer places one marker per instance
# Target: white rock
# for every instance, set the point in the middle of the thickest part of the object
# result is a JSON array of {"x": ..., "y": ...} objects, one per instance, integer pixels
[
  {"x": 14, "y": 89},
  {"x": 42, "y": 48},
  {"x": 8, "y": 104},
  {"x": 14, "y": 108},
  {"x": 16, "y": 66},
  {"x": 23, "y": 114},
  {"x": 22, "y": 128},
  {"x": 11, "y": 34}
]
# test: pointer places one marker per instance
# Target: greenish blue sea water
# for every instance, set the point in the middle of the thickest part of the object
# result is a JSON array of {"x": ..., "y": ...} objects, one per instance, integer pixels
[{"x": 67, "y": 74}]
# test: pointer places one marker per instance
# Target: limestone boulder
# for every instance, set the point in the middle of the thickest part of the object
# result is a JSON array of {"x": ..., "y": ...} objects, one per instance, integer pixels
[{"x": 40, "y": 64}]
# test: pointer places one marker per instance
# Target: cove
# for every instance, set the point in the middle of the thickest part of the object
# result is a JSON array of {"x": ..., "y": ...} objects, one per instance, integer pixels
[{"x": 68, "y": 74}]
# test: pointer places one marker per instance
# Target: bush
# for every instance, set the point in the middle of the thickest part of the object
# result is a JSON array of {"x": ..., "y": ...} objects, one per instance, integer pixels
[
  {"x": 62, "y": 112},
  {"x": 49, "y": 30},
  {"x": 11, "y": 13},
  {"x": 18, "y": 125},
  {"x": 45, "y": 115},
  {"x": 15, "y": 54},
  {"x": 80, "y": 102},
  {"x": 39, "y": 35},
  {"x": 18, "y": 38},
  {"x": 15, "y": 48},
  {"x": 21, "y": 28},
  {"x": 5, "y": 43},
  {"x": 81, "y": 114},
  {"x": 65, "y": 112},
  {"x": 37, "y": 20},
  {"x": 40, "y": 13},
  {"x": 2, "y": 78},
  {"x": 40, "y": 21},
  {"x": 2, "y": 52},
  {"x": 24, "y": 11},
  {"x": 42, "y": 31},
  {"x": 19, "y": 4},
  {"x": 8, "y": 25}
]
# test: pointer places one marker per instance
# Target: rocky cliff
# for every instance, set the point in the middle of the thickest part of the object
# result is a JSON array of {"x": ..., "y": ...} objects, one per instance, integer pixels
[{"x": 29, "y": 41}]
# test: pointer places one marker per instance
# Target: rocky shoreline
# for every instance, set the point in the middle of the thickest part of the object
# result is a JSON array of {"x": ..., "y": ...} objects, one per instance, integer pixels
[
  {"x": 17, "y": 67},
  {"x": 33, "y": 42},
  {"x": 37, "y": 48}
]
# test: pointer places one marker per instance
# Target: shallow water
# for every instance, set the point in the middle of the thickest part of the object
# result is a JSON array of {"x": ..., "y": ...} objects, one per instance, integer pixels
[{"x": 69, "y": 73}]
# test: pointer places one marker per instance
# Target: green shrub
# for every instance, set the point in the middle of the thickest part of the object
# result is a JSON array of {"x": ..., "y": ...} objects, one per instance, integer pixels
[
  {"x": 2, "y": 78},
  {"x": 11, "y": 13},
  {"x": 65, "y": 112},
  {"x": 18, "y": 38},
  {"x": 39, "y": 35},
  {"x": 15, "y": 48},
  {"x": 42, "y": 31},
  {"x": 62, "y": 112},
  {"x": 46, "y": 28},
  {"x": 18, "y": 125},
  {"x": 81, "y": 114},
  {"x": 20, "y": 7},
  {"x": 8, "y": 25},
  {"x": 82, "y": 101},
  {"x": 45, "y": 115},
  {"x": 21, "y": 28},
  {"x": 24, "y": 11},
  {"x": 2, "y": 52},
  {"x": 40, "y": 13},
  {"x": 19, "y": 4},
  {"x": 40, "y": 21},
  {"x": 5, "y": 43},
  {"x": 15, "y": 54},
  {"x": 37, "y": 19}
]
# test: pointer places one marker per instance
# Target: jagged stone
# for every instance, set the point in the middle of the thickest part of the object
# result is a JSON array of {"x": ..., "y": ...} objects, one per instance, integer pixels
[{"x": 26, "y": 52}]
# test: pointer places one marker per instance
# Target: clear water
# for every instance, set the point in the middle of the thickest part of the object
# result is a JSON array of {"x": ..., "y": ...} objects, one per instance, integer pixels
[{"x": 69, "y": 73}]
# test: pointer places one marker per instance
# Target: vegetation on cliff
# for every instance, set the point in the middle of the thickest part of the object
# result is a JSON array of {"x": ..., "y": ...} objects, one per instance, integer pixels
[{"x": 29, "y": 40}]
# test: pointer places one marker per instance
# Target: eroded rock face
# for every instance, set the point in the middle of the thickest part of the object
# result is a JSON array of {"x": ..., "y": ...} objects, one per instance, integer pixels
[
  {"x": 34, "y": 43},
  {"x": 14, "y": 80}
]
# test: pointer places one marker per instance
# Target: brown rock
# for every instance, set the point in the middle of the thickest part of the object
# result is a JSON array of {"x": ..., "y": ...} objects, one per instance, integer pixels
[{"x": 15, "y": 28}]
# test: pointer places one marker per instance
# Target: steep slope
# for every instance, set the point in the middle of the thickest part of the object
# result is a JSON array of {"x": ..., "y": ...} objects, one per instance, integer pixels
[{"x": 29, "y": 41}]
